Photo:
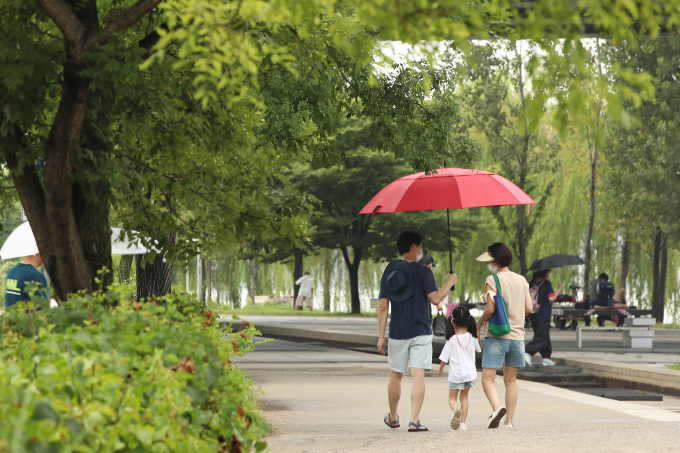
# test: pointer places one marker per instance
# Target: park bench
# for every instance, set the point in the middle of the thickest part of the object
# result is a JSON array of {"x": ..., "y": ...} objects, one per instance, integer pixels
[{"x": 638, "y": 333}]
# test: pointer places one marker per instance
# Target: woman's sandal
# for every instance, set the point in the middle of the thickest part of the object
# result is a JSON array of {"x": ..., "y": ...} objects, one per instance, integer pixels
[
  {"x": 418, "y": 427},
  {"x": 390, "y": 423}
]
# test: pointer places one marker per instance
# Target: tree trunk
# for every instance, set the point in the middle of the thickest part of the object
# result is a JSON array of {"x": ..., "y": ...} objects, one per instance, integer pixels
[
  {"x": 663, "y": 274},
  {"x": 154, "y": 279},
  {"x": 199, "y": 278},
  {"x": 251, "y": 273},
  {"x": 591, "y": 217},
  {"x": 521, "y": 243},
  {"x": 124, "y": 268},
  {"x": 625, "y": 252},
  {"x": 204, "y": 281},
  {"x": 657, "y": 307},
  {"x": 522, "y": 161},
  {"x": 297, "y": 271},
  {"x": 208, "y": 274},
  {"x": 353, "y": 270},
  {"x": 328, "y": 262},
  {"x": 233, "y": 276},
  {"x": 593, "y": 181},
  {"x": 72, "y": 257}
]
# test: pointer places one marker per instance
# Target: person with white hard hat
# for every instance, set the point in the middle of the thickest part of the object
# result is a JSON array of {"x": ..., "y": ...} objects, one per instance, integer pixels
[{"x": 24, "y": 275}]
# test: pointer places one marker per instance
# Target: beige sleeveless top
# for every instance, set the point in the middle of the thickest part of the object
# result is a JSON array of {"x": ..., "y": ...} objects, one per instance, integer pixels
[{"x": 515, "y": 291}]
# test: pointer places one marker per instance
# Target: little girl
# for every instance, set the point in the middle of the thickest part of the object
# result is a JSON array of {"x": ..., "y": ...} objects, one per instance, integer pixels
[{"x": 459, "y": 353}]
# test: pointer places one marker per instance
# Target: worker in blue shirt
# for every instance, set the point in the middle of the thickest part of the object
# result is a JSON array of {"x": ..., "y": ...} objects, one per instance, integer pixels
[{"x": 23, "y": 275}]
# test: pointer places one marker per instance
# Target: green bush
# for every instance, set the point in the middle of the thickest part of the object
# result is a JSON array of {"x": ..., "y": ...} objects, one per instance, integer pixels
[{"x": 104, "y": 373}]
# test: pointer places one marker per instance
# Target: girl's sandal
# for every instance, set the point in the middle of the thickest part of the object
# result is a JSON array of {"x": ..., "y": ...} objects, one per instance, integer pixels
[
  {"x": 390, "y": 423},
  {"x": 417, "y": 427}
]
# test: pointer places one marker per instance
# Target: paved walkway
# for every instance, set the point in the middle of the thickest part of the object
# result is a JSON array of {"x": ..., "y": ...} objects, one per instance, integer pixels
[
  {"x": 328, "y": 399},
  {"x": 366, "y": 330}
]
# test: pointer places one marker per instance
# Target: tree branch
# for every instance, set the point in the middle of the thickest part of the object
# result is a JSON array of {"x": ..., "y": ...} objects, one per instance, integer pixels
[
  {"x": 125, "y": 20},
  {"x": 70, "y": 26}
]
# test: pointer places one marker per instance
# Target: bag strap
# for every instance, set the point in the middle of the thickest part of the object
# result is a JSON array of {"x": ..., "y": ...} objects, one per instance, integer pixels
[
  {"x": 500, "y": 293},
  {"x": 498, "y": 286}
]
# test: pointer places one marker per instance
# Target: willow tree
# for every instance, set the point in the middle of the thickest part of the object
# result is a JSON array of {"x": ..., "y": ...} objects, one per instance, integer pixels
[
  {"x": 510, "y": 117},
  {"x": 645, "y": 149}
]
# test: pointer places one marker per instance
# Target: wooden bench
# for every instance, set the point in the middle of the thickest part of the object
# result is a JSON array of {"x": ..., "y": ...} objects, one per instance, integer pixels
[{"x": 638, "y": 333}]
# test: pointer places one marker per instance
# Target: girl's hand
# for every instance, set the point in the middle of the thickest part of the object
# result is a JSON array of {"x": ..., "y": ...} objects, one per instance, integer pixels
[{"x": 439, "y": 374}]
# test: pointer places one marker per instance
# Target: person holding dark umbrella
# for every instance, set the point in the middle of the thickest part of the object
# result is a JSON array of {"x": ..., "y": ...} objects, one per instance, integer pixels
[
  {"x": 540, "y": 321},
  {"x": 427, "y": 261}
]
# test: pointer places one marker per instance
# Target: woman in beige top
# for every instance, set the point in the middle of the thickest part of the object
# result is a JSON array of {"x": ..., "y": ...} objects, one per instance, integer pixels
[{"x": 507, "y": 352}]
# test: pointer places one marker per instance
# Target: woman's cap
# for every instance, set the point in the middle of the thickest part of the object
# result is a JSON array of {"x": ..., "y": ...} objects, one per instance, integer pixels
[{"x": 485, "y": 257}]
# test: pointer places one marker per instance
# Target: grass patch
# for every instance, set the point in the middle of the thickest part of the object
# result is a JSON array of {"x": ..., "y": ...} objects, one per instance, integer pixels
[
  {"x": 667, "y": 326},
  {"x": 281, "y": 309},
  {"x": 675, "y": 367}
]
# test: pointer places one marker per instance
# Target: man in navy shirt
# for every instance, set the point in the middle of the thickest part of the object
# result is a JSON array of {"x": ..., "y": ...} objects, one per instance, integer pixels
[
  {"x": 410, "y": 289},
  {"x": 23, "y": 275}
]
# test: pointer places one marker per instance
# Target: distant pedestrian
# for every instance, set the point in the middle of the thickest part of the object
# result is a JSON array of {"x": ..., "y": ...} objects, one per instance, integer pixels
[
  {"x": 22, "y": 275},
  {"x": 459, "y": 354},
  {"x": 409, "y": 288},
  {"x": 427, "y": 261},
  {"x": 540, "y": 321},
  {"x": 504, "y": 352},
  {"x": 305, "y": 296}
]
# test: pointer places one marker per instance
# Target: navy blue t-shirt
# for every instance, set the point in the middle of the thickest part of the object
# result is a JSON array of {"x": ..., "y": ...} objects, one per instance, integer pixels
[
  {"x": 413, "y": 317},
  {"x": 545, "y": 310},
  {"x": 17, "y": 277}
]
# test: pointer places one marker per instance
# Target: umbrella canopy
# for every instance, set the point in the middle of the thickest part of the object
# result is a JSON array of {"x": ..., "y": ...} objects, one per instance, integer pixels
[
  {"x": 448, "y": 188},
  {"x": 22, "y": 243},
  {"x": 557, "y": 260}
]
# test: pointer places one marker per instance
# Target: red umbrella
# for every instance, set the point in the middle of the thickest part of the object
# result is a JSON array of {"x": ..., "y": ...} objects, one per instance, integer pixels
[{"x": 448, "y": 188}]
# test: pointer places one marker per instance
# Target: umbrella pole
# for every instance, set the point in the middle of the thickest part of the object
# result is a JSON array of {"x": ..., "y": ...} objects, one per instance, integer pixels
[{"x": 448, "y": 229}]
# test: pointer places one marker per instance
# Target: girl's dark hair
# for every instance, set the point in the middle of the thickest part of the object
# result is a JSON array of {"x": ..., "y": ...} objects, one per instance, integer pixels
[
  {"x": 536, "y": 276},
  {"x": 501, "y": 254},
  {"x": 461, "y": 317}
]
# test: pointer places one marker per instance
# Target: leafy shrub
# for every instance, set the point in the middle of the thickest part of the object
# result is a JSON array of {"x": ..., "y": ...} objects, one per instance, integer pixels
[{"x": 104, "y": 373}]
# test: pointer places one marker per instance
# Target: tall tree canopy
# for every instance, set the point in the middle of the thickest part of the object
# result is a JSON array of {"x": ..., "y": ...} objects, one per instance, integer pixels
[{"x": 344, "y": 189}]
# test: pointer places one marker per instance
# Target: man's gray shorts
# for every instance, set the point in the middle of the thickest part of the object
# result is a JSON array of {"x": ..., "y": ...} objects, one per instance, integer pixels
[{"x": 418, "y": 350}]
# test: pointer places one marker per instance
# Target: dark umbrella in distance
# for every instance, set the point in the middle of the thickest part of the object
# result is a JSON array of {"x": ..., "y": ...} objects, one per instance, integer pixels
[{"x": 557, "y": 260}]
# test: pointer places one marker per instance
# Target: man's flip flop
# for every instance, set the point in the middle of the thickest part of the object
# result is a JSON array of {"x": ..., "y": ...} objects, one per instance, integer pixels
[
  {"x": 390, "y": 423},
  {"x": 417, "y": 427},
  {"x": 495, "y": 418}
]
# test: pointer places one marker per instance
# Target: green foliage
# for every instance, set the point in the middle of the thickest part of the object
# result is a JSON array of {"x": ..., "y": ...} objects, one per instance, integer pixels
[{"x": 103, "y": 373}]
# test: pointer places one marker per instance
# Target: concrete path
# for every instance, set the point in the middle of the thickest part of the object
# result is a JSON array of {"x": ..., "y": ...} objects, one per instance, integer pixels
[
  {"x": 365, "y": 330},
  {"x": 328, "y": 399}
]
